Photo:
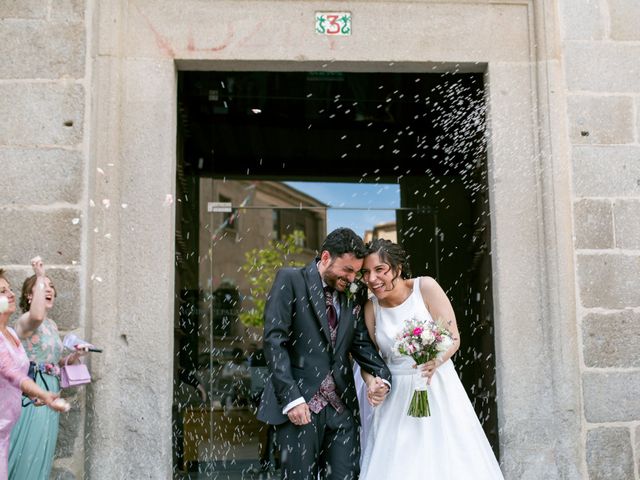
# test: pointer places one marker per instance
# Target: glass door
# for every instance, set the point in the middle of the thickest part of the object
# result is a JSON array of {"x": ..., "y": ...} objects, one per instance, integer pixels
[{"x": 226, "y": 262}]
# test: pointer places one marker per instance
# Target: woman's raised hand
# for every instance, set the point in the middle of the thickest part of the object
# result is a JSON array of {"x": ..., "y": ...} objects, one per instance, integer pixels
[{"x": 38, "y": 266}]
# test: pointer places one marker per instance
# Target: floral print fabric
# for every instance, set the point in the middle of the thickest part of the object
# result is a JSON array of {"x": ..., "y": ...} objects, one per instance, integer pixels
[{"x": 44, "y": 345}]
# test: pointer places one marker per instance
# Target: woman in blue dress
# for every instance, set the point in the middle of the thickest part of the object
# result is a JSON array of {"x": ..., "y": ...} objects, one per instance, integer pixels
[{"x": 33, "y": 439}]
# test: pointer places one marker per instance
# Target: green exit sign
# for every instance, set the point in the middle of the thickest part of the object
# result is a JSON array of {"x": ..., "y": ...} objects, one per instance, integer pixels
[{"x": 333, "y": 23}]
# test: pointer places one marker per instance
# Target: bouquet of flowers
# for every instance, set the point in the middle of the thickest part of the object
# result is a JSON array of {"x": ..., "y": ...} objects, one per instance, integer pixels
[{"x": 422, "y": 340}]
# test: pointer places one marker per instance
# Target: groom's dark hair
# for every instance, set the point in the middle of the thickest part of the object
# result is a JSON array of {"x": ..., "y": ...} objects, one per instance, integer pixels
[{"x": 341, "y": 241}]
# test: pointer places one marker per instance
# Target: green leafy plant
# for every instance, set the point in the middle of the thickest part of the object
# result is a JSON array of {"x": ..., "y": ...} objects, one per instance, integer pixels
[{"x": 261, "y": 265}]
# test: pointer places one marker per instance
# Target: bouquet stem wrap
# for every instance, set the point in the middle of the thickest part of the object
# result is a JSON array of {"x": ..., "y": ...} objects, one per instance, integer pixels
[{"x": 419, "y": 406}]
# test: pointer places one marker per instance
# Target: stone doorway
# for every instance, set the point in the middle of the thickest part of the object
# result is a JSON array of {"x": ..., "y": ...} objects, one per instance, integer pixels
[
  {"x": 140, "y": 48},
  {"x": 240, "y": 136}
]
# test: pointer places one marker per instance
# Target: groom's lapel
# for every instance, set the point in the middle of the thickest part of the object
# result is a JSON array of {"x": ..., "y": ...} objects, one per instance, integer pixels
[
  {"x": 316, "y": 297},
  {"x": 346, "y": 319}
]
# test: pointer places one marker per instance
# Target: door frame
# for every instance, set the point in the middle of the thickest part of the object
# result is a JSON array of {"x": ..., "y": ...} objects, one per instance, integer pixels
[{"x": 137, "y": 48}]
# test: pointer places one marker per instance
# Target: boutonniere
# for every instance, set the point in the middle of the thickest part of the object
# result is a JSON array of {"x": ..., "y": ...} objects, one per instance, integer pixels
[
  {"x": 352, "y": 291},
  {"x": 354, "y": 296}
]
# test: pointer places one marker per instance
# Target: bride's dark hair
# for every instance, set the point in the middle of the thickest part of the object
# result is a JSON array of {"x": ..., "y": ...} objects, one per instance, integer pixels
[{"x": 392, "y": 254}]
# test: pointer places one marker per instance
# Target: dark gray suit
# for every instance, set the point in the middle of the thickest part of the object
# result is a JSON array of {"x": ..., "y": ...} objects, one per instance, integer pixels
[{"x": 299, "y": 354}]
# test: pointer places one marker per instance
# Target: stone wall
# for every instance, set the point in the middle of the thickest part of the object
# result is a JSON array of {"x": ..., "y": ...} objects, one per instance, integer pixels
[
  {"x": 601, "y": 50},
  {"x": 43, "y": 98}
]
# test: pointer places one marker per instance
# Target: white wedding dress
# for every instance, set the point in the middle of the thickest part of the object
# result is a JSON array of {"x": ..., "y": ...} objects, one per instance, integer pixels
[{"x": 448, "y": 445}]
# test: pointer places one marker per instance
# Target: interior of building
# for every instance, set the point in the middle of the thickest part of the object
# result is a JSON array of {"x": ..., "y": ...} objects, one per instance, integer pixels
[{"x": 240, "y": 135}]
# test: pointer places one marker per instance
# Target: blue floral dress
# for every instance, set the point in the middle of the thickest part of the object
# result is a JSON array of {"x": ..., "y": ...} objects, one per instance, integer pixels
[{"x": 33, "y": 439}]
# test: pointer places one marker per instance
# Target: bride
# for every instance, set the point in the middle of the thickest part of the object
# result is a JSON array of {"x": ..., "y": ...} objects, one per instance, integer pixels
[{"x": 448, "y": 445}]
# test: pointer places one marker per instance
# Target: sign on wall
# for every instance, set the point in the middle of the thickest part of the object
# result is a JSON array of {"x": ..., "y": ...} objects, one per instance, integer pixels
[
  {"x": 333, "y": 23},
  {"x": 224, "y": 207}
]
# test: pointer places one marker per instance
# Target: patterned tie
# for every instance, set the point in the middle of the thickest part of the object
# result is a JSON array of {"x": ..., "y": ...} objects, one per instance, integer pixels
[{"x": 331, "y": 309}]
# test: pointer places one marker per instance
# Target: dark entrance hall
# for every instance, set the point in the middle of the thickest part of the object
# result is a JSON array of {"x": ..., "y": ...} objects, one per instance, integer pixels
[{"x": 424, "y": 133}]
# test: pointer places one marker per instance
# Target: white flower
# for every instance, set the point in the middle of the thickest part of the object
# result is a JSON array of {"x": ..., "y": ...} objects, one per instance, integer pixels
[
  {"x": 353, "y": 288},
  {"x": 444, "y": 344},
  {"x": 427, "y": 337},
  {"x": 4, "y": 304}
]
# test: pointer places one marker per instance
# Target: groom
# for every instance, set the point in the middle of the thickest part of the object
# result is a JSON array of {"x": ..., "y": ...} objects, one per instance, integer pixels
[{"x": 311, "y": 329}]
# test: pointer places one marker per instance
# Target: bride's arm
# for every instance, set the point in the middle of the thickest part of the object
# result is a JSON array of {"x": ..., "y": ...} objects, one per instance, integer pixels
[
  {"x": 376, "y": 388},
  {"x": 370, "y": 322},
  {"x": 440, "y": 308},
  {"x": 367, "y": 377}
]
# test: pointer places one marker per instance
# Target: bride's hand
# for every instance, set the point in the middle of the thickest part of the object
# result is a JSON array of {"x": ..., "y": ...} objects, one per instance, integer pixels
[
  {"x": 429, "y": 368},
  {"x": 376, "y": 391}
]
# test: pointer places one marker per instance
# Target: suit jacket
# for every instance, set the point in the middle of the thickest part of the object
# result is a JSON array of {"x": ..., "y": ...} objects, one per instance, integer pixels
[{"x": 297, "y": 344}]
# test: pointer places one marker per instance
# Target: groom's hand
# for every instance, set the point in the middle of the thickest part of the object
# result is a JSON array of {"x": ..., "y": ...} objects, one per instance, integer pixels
[
  {"x": 300, "y": 414},
  {"x": 377, "y": 391}
]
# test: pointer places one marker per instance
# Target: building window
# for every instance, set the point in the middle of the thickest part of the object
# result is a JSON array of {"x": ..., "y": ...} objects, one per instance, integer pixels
[
  {"x": 305, "y": 221},
  {"x": 301, "y": 239}
]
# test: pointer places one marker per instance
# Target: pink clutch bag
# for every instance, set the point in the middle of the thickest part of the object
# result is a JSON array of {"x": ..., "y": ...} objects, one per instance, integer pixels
[{"x": 74, "y": 375}]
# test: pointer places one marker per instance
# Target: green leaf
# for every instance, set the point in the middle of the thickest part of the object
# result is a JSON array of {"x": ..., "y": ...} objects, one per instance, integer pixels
[{"x": 261, "y": 265}]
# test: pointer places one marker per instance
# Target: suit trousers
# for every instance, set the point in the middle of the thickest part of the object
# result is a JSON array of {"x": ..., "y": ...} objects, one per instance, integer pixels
[{"x": 328, "y": 446}]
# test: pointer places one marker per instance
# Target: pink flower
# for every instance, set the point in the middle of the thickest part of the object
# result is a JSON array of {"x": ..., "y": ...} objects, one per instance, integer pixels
[{"x": 417, "y": 331}]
